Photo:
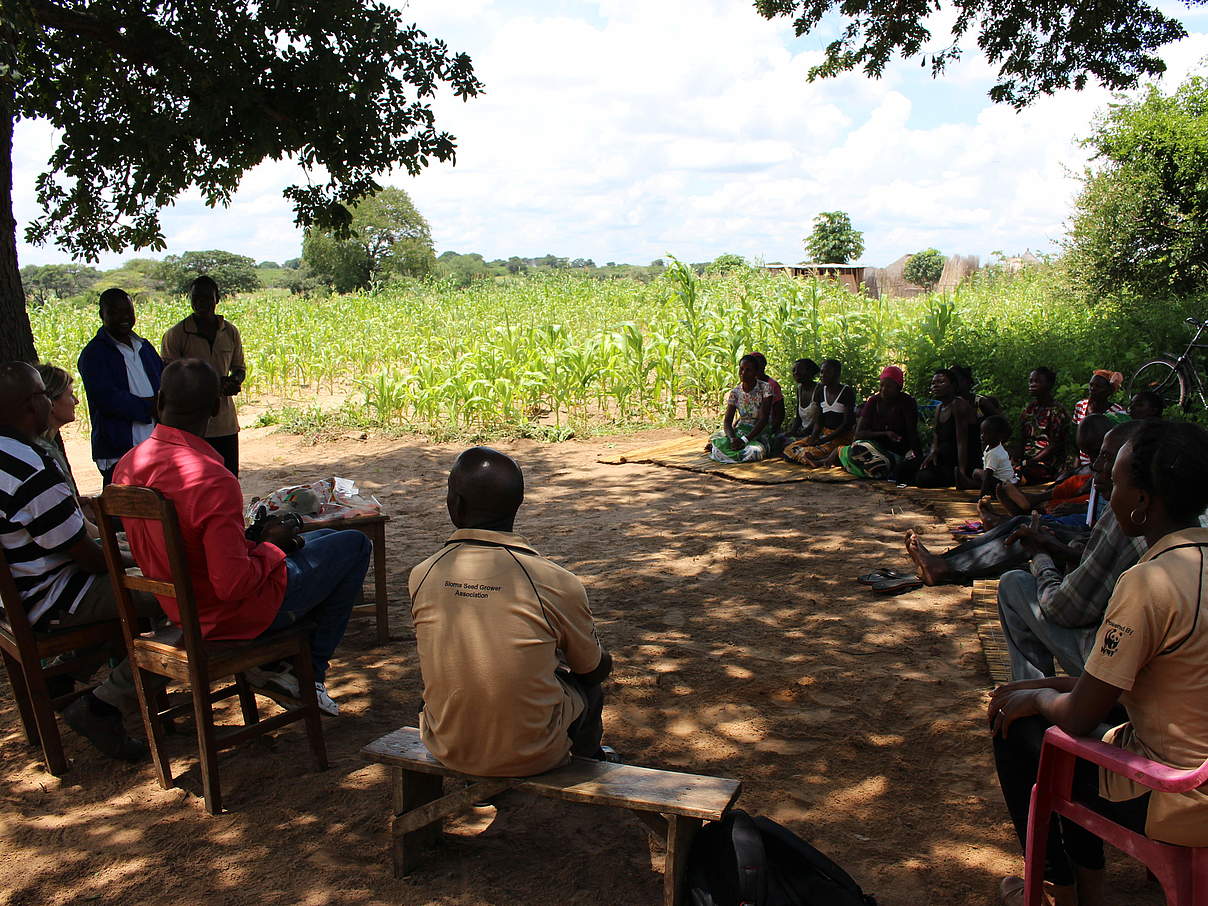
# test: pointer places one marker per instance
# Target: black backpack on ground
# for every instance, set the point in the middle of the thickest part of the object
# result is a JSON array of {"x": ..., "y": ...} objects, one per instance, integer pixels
[{"x": 752, "y": 861}]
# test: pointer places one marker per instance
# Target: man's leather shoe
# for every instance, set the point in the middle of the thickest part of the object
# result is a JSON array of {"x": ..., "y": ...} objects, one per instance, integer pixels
[{"x": 101, "y": 724}]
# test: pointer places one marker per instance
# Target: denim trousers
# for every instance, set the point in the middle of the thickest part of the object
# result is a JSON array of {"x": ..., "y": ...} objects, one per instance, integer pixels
[
  {"x": 323, "y": 583},
  {"x": 1032, "y": 640}
]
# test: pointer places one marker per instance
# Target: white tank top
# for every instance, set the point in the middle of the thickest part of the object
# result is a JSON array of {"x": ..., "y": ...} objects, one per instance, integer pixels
[{"x": 837, "y": 406}]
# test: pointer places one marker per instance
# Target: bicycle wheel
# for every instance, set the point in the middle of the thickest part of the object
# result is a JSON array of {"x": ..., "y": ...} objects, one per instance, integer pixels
[{"x": 1163, "y": 377}]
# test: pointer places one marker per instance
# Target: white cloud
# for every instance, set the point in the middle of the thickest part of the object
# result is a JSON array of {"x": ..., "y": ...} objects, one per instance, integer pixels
[{"x": 623, "y": 130}]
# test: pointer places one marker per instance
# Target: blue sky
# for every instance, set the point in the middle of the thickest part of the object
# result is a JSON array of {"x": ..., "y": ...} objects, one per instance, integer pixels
[{"x": 624, "y": 130}]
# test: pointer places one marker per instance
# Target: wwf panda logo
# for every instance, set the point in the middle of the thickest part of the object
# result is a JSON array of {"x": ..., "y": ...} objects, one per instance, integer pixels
[{"x": 1111, "y": 642}]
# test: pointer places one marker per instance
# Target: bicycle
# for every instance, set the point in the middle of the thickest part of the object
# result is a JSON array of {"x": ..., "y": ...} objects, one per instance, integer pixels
[{"x": 1173, "y": 378}]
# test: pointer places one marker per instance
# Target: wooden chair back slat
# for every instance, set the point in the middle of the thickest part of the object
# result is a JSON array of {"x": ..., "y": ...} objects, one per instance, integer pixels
[{"x": 127, "y": 503}]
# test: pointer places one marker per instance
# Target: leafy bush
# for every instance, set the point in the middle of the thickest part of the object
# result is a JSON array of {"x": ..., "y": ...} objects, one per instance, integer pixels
[{"x": 924, "y": 268}]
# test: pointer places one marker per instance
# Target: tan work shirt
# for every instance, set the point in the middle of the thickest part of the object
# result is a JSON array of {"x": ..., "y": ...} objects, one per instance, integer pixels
[
  {"x": 185, "y": 341},
  {"x": 493, "y": 622},
  {"x": 1153, "y": 643}
]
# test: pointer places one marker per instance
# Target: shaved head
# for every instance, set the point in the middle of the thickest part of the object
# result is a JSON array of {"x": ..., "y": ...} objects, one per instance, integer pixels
[
  {"x": 486, "y": 488},
  {"x": 189, "y": 392},
  {"x": 24, "y": 406}
]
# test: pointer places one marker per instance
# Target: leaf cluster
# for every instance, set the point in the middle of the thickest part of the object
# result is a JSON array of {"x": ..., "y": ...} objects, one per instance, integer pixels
[
  {"x": 387, "y": 237},
  {"x": 1141, "y": 222},
  {"x": 153, "y": 97},
  {"x": 833, "y": 239},
  {"x": 233, "y": 273},
  {"x": 924, "y": 268},
  {"x": 1039, "y": 46}
]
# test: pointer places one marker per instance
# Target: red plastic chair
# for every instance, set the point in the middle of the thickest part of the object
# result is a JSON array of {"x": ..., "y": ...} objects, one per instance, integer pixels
[{"x": 1181, "y": 870}]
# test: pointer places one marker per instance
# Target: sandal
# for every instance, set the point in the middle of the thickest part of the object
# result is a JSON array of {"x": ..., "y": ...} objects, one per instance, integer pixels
[
  {"x": 890, "y": 586},
  {"x": 879, "y": 575}
]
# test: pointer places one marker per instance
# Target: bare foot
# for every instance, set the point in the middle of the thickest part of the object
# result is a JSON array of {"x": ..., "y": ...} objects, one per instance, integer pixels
[
  {"x": 933, "y": 570},
  {"x": 985, "y": 509}
]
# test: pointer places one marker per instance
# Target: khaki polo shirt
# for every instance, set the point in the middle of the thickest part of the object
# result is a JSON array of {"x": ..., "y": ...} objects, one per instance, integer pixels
[
  {"x": 1153, "y": 644},
  {"x": 493, "y": 622},
  {"x": 185, "y": 341}
]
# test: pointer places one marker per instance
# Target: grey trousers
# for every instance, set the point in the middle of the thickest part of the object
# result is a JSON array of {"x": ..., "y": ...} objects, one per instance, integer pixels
[
  {"x": 98, "y": 605},
  {"x": 1033, "y": 642}
]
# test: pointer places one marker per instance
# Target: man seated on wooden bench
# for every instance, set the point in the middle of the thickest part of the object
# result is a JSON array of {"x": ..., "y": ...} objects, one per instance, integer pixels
[
  {"x": 1048, "y": 616},
  {"x": 508, "y": 650},
  {"x": 59, "y": 571},
  {"x": 243, "y": 589}
]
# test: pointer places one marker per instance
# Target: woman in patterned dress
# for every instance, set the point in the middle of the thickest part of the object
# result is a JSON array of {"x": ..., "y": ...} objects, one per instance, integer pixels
[{"x": 745, "y": 434}]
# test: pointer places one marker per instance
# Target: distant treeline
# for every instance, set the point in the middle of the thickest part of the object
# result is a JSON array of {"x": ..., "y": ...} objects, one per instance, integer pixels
[{"x": 239, "y": 273}]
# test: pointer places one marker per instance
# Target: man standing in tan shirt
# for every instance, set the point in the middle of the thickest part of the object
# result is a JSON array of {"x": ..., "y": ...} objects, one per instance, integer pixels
[
  {"x": 208, "y": 336},
  {"x": 508, "y": 650}
]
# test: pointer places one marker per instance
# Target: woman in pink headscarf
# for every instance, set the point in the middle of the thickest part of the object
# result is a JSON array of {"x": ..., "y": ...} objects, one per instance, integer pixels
[{"x": 889, "y": 423}]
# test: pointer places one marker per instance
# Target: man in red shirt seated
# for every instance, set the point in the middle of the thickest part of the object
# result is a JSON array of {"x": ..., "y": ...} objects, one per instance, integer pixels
[{"x": 243, "y": 589}]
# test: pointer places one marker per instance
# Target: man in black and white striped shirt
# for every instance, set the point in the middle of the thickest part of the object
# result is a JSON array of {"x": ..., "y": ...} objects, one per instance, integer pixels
[{"x": 58, "y": 570}]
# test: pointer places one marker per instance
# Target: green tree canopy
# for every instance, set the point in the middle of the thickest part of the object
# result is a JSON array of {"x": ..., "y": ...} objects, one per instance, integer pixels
[
  {"x": 834, "y": 240},
  {"x": 924, "y": 268},
  {"x": 233, "y": 273},
  {"x": 1141, "y": 221},
  {"x": 388, "y": 237},
  {"x": 57, "y": 281},
  {"x": 151, "y": 97},
  {"x": 1039, "y": 47},
  {"x": 725, "y": 263}
]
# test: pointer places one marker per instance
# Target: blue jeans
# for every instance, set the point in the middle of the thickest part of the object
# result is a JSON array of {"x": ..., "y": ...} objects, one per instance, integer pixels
[{"x": 323, "y": 581}]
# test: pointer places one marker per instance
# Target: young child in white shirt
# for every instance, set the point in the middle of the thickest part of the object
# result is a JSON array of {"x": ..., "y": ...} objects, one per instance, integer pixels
[{"x": 997, "y": 468}]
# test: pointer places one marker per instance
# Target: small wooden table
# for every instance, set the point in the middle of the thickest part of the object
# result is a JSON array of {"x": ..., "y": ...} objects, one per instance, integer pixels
[
  {"x": 672, "y": 805},
  {"x": 375, "y": 528}
]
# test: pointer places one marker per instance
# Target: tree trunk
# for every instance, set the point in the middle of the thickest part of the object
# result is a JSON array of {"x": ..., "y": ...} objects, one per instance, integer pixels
[{"x": 16, "y": 336}]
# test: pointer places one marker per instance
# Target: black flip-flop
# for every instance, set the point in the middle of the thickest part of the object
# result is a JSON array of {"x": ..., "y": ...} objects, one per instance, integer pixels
[
  {"x": 880, "y": 575},
  {"x": 897, "y": 586}
]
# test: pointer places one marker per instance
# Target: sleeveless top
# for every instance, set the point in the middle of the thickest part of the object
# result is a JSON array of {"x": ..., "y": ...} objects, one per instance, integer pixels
[{"x": 839, "y": 408}]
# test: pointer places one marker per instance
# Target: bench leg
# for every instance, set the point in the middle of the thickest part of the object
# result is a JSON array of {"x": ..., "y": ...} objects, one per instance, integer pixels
[
  {"x": 411, "y": 791},
  {"x": 680, "y": 831}
]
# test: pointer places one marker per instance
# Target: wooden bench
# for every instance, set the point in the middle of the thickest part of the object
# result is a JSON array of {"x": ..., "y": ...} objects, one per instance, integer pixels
[{"x": 671, "y": 804}]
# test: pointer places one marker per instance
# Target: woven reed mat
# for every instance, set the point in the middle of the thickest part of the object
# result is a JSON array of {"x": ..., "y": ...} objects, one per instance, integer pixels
[
  {"x": 949, "y": 504},
  {"x": 687, "y": 453},
  {"x": 984, "y": 599}
]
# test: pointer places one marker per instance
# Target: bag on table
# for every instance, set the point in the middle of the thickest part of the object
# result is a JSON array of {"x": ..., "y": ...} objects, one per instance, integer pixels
[{"x": 753, "y": 861}]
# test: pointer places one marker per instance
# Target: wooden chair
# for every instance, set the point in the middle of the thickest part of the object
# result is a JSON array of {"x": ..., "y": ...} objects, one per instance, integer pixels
[
  {"x": 182, "y": 655},
  {"x": 1181, "y": 870},
  {"x": 24, "y": 649}
]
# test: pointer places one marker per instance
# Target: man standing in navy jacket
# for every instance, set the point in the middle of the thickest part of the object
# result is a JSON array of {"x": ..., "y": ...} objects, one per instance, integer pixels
[{"x": 121, "y": 373}]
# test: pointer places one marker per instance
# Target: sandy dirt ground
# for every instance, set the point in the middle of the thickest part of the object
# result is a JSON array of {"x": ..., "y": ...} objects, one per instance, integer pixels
[{"x": 743, "y": 648}]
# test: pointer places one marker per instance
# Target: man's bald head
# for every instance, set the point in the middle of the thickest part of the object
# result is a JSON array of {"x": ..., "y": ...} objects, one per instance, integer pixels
[
  {"x": 486, "y": 488},
  {"x": 189, "y": 392},
  {"x": 24, "y": 406}
]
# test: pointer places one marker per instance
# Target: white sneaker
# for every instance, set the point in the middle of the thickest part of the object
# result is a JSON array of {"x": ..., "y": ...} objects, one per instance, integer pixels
[
  {"x": 280, "y": 681},
  {"x": 326, "y": 704}
]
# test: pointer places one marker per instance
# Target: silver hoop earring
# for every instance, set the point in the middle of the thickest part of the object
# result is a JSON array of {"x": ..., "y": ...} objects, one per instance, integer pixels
[{"x": 1140, "y": 522}]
